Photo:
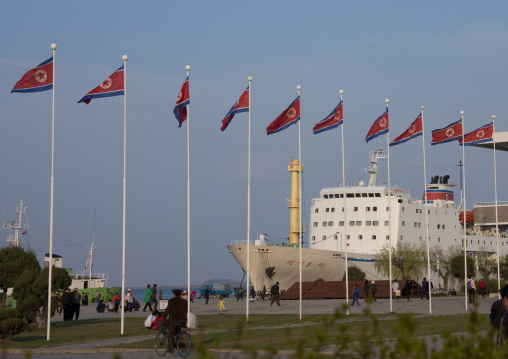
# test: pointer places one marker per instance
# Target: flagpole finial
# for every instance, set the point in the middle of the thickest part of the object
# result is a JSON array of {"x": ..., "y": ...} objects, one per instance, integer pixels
[
  {"x": 341, "y": 92},
  {"x": 249, "y": 78},
  {"x": 125, "y": 57},
  {"x": 461, "y": 112},
  {"x": 422, "y": 108},
  {"x": 298, "y": 88},
  {"x": 53, "y": 46},
  {"x": 187, "y": 67},
  {"x": 493, "y": 117},
  {"x": 387, "y": 101}
]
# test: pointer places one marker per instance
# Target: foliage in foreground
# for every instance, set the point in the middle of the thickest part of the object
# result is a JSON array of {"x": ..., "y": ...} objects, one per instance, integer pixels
[{"x": 11, "y": 322}]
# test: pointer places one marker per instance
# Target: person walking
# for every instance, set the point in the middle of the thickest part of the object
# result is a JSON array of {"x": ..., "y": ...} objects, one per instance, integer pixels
[
  {"x": 424, "y": 285},
  {"x": 408, "y": 287},
  {"x": 67, "y": 304},
  {"x": 154, "y": 299},
  {"x": 76, "y": 303},
  {"x": 373, "y": 289},
  {"x": 356, "y": 295},
  {"x": 367, "y": 290},
  {"x": 207, "y": 294},
  {"x": 148, "y": 298},
  {"x": 222, "y": 307},
  {"x": 274, "y": 291},
  {"x": 116, "y": 300},
  {"x": 471, "y": 289},
  {"x": 395, "y": 289}
]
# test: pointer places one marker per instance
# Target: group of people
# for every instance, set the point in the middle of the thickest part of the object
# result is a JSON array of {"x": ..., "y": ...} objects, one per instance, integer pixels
[
  {"x": 68, "y": 302},
  {"x": 151, "y": 297}
]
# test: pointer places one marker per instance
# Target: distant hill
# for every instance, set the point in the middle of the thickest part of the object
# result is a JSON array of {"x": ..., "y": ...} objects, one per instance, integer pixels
[{"x": 222, "y": 281}]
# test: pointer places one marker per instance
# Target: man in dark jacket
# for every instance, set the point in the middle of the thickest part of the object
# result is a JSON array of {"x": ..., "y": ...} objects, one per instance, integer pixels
[
  {"x": 207, "y": 294},
  {"x": 176, "y": 314},
  {"x": 66, "y": 303},
  {"x": 76, "y": 303},
  {"x": 275, "y": 294},
  {"x": 499, "y": 316}
]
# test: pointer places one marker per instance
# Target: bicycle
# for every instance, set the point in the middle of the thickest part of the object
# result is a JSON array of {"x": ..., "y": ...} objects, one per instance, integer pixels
[{"x": 182, "y": 342}]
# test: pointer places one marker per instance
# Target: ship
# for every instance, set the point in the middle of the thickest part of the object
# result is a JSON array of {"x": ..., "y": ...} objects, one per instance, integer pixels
[{"x": 357, "y": 221}]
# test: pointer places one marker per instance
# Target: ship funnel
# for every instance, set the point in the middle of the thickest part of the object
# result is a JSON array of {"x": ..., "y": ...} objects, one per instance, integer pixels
[{"x": 294, "y": 202}]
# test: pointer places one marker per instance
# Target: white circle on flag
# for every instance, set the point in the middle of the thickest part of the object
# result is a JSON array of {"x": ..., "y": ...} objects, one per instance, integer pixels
[
  {"x": 480, "y": 134},
  {"x": 179, "y": 96},
  {"x": 107, "y": 84},
  {"x": 449, "y": 132},
  {"x": 41, "y": 76},
  {"x": 291, "y": 113},
  {"x": 383, "y": 122},
  {"x": 412, "y": 129},
  {"x": 337, "y": 115}
]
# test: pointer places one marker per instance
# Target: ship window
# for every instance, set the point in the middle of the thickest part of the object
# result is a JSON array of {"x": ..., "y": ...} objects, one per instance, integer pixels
[
  {"x": 403, "y": 223},
  {"x": 420, "y": 211},
  {"x": 371, "y": 194},
  {"x": 358, "y": 223},
  {"x": 333, "y": 209},
  {"x": 439, "y": 239},
  {"x": 360, "y": 236},
  {"x": 313, "y": 238},
  {"x": 417, "y": 210},
  {"x": 315, "y": 224},
  {"x": 324, "y": 224},
  {"x": 374, "y": 209},
  {"x": 443, "y": 227},
  {"x": 358, "y": 194},
  {"x": 355, "y": 209},
  {"x": 387, "y": 209},
  {"x": 419, "y": 225},
  {"x": 324, "y": 238},
  {"x": 490, "y": 242},
  {"x": 342, "y": 209},
  {"x": 416, "y": 225},
  {"x": 350, "y": 195},
  {"x": 330, "y": 224},
  {"x": 341, "y": 223},
  {"x": 335, "y": 236},
  {"x": 387, "y": 238},
  {"x": 402, "y": 209},
  {"x": 325, "y": 196},
  {"x": 401, "y": 237},
  {"x": 352, "y": 223},
  {"x": 364, "y": 194},
  {"x": 428, "y": 211},
  {"x": 438, "y": 226},
  {"x": 420, "y": 238},
  {"x": 336, "y": 195},
  {"x": 375, "y": 223},
  {"x": 378, "y": 194},
  {"x": 471, "y": 241},
  {"x": 367, "y": 209},
  {"x": 368, "y": 223},
  {"x": 373, "y": 236},
  {"x": 327, "y": 210},
  {"x": 316, "y": 210},
  {"x": 347, "y": 236},
  {"x": 387, "y": 223}
]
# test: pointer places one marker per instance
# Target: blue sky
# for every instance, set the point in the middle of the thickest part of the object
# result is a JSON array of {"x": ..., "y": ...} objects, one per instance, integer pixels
[{"x": 448, "y": 56}]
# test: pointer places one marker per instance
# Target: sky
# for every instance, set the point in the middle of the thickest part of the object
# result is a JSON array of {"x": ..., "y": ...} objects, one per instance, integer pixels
[{"x": 447, "y": 56}]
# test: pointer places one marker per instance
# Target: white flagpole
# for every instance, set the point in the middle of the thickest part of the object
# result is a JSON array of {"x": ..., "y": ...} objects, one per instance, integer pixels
[
  {"x": 464, "y": 211},
  {"x": 495, "y": 192},
  {"x": 298, "y": 88},
  {"x": 53, "y": 47},
  {"x": 387, "y": 101},
  {"x": 341, "y": 92},
  {"x": 188, "y": 201},
  {"x": 426, "y": 213},
  {"x": 248, "y": 213},
  {"x": 124, "y": 58}
]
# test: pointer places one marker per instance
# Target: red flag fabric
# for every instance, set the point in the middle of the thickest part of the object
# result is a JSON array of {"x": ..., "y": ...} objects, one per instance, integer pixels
[
  {"x": 182, "y": 101},
  {"x": 482, "y": 134},
  {"x": 413, "y": 131},
  {"x": 288, "y": 117},
  {"x": 37, "y": 79},
  {"x": 379, "y": 127},
  {"x": 452, "y": 132},
  {"x": 112, "y": 86}
]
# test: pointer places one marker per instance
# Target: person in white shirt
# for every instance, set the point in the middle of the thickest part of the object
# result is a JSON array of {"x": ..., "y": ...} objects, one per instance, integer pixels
[{"x": 395, "y": 288}]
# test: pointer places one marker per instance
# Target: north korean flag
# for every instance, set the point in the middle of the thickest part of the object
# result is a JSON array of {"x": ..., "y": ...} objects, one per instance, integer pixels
[
  {"x": 449, "y": 133},
  {"x": 333, "y": 120},
  {"x": 112, "y": 86},
  {"x": 37, "y": 79},
  {"x": 242, "y": 105},
  {"x": 413, "y": 131},
  {"x": 288, "y": 117},
  {"x": 182, "y": 101},
  {"x": 379, "y": 127},
  {"x": 482, "y": 134}
]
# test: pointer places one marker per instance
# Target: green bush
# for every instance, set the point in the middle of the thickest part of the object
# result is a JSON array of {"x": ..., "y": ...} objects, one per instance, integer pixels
[
  {"x": 9, "y": 313},
  {"x": 10, "y": 322},
  {"x": 491, "y": 285}
]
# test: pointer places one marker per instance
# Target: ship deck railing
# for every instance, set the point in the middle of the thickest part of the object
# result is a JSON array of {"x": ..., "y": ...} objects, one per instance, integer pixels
[
  {"x": 499, "y": 203},
  {"x": 83, "y": 275}
]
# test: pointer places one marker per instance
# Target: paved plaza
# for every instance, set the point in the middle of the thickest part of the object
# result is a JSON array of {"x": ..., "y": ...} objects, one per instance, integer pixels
[{"x": 89, "y": 350}]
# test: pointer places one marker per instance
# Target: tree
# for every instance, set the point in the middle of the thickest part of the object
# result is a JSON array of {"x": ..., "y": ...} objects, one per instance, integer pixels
[
  {"x": 354, "y": 273},
  {"x": 458, "y": 266},
  {"x": 487, "y": 263},
  {"x": 31, "y": 293},
  {"x": 503, "y": 263},
  {"x": 445, "y": 262},
  {"x": 13, "y": 262},
  {"x": 408, "y": 260}
]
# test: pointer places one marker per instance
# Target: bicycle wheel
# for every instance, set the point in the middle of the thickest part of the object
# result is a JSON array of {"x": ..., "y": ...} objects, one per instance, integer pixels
[
  {"x": 183, "y": 344},
  {"x": 161, "y": 344}
]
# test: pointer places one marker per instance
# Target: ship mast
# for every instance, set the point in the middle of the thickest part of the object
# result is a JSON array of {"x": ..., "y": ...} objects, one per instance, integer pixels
[
  {"x": 372, "y": 169},
  {"x": 16, "y": 225}
]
